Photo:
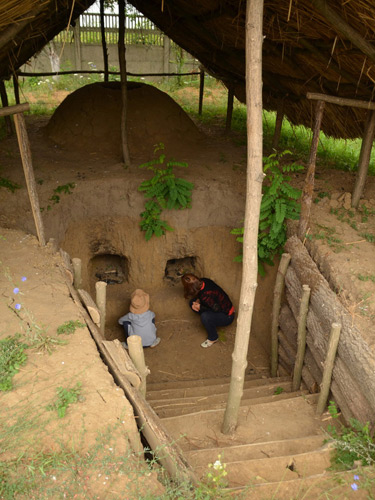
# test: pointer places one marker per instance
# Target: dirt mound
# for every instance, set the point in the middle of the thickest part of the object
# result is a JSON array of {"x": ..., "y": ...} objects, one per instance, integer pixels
[{"x": 88, "y": 120}]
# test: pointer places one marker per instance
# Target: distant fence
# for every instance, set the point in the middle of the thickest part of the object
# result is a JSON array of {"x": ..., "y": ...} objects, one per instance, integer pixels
[{"x": 139, "y": 30}]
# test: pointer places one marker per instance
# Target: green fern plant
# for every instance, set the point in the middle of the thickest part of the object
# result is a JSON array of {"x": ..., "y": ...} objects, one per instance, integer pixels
[
  {"x": 163, "y": 191},
  {"x": 279, "y": 203}
]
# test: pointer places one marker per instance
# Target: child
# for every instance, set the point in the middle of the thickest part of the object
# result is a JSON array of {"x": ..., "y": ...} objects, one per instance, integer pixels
[{"x": 140, "y": 320}]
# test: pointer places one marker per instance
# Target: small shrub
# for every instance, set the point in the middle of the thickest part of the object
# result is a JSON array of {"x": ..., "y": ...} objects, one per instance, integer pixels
[
  {"x": 66, "y": 397},
  {"x": 12, "y": 356},
  {"x": 279, "y": 203},
  {"x": 55, "y": 198},
  {"x": 69, "y": 327},
  {"x": 165, "y": 191},
  {"x": 354, "y": 443},
  {"x": 8, "y": 184}
]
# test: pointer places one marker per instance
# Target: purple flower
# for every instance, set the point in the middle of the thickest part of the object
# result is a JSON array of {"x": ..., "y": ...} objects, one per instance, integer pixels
[
  {"x": 16, "y": 290},
  {"x": 356, "y": 478},
  {"x": 17, "y": 306},
  {"x": 23, "y": 278},
  {"x": 354, "y": 486}
]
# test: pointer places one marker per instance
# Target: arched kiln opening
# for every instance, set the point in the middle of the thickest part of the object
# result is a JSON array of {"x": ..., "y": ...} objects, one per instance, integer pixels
[
  {"x": 112, "y": 269},
  {"x": 176, "y": 268}
]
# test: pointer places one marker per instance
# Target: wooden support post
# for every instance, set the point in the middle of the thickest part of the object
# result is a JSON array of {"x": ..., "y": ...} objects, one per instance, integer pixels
[
  {"x": 16, "y": 89},
  {"x": 166, "y": 53},
  {"x": 278, "y": 124},
  {"x": 23, "y": 143},
  {"x": 328, "y": 367},
  {"x": 124, "y": 83},
  {"x": 201, "y": 89},
  {"x": 308, "y": 189},
  {"x": 279, "y": 287},
  {"x": 77, "y": 45},
  {"x": 101, "y": 299},
  {"x": 77, "y": 272},
  {"x": 364, "y": 158},
  {"x": 301, "y": 339},
  {"x": 137, "y": 356},
  {"x": 228, "y": 121},
  {"x": 4, "y": 101},
  {"x": 104, "y": 42}
]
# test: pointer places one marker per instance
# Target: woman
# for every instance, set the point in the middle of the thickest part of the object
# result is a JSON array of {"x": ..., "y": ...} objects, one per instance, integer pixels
[{"x": 210, "y": 302}]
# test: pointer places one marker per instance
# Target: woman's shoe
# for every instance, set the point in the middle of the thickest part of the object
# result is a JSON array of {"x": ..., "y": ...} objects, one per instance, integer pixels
[{"x": 208, "y": 343}]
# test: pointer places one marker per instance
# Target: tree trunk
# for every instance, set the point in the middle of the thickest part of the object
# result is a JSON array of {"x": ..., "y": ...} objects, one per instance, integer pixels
[
  {"x": 254, "y": 40},
  {"x": 124, "y": 83},
  {"x": 104, "y": 43}
]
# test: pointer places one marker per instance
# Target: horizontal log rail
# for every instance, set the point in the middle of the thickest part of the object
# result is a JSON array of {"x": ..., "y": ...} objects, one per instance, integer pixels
[{"x": 341, "y": 101}]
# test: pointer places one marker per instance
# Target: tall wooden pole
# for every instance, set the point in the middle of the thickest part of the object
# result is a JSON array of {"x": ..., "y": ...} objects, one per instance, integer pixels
[
  {"x": 301, "y": 337},
  {"x": 308, "y": 188},
  {"x": 24, "y": 145},
  {"x": 104, "y": 42},
  {"x": 254, "y": 41},
  {"x": 228, "y": 121},
  {"x": 201, "y": 89},
  {"x": 124, "y": 83},
  {"x": 364, "y": 158}
]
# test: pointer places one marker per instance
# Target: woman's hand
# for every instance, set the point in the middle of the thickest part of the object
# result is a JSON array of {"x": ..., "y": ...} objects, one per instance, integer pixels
[{"x": 196, "y": 306}]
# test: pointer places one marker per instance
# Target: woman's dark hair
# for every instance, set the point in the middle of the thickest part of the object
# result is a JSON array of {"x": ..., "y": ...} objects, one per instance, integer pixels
[{"x": 192, "y": 285}]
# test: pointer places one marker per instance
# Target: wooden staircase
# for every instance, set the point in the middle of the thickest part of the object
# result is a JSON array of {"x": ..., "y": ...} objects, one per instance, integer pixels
[{"x": 278, "y": 448}]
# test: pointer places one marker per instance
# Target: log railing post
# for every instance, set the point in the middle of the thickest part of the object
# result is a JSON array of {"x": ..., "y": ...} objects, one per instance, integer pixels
[
  {"x": 228, "y": 121},
  {"x": 328, "y": 367},
  {"x": 301, "y": 339},
  {"x": 77, "y": 273},
  {"x": 278, "y": 290},
  {"x": 137, "y": 356},
  {"x": 101, "y": 299}
]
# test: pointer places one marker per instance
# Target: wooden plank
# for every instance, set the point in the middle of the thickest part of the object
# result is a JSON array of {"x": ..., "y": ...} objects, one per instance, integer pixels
[
  {"x": 122, "y": 362},
  {"x": 90, "y": 305}
]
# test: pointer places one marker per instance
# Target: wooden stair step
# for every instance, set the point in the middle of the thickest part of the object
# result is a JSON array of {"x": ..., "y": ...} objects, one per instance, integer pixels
[
  {"x": 208, "y": 389},
  {"x": 178, "y": 407},
  {"x": 275, "y": 469},
  {"x": 256, "y": 423},
  {"x": 177, "y": 384},
  {"x": 255, "y": 450}
]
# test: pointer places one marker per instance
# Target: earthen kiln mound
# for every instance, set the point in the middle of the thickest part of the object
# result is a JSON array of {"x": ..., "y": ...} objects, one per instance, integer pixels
[{"x": 88, "y": 120}]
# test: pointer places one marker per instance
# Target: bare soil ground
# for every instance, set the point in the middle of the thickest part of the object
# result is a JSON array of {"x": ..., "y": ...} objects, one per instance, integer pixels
[{"x": 341, "y": 238}]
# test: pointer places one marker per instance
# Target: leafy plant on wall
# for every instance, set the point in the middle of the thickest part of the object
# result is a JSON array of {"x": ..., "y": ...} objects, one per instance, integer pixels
[
  {"x": 279, "y": 203},
  {"x": 163, "y": 191}
]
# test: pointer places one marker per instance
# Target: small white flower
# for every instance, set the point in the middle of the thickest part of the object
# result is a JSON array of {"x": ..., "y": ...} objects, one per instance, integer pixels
[
  {"x": 53, "y": 478},
  {"x": 217, "y": 465}
]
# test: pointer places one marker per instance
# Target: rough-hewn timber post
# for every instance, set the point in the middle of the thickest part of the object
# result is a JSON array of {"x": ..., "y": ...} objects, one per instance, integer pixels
[
  {"x": 124, "y": 83},
  {"x": 364, "y": 158},
  {"x": 308, "y": 187},
  {"x": 254, "y": 41},
  {"x": 228, "y": 121},
  {"x": 328, "y": 367},
  {"x": 24, "y": 145},
  {"x": 201, "y": 90},
  {"x": 278, "y": 290},
  {"x": 137, "y": 356},
  {"x": 301, "y": 337},
  {"x": 104, "y": 42}
]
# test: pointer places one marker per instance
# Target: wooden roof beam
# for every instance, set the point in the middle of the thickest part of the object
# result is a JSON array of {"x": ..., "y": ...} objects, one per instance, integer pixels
[{"x": 344, "y": 28}]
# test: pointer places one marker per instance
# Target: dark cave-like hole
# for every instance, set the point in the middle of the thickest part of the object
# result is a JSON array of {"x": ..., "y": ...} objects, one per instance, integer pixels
[
  {"x": 176, "y": 268},
  {"x": 112, "y": 269}
]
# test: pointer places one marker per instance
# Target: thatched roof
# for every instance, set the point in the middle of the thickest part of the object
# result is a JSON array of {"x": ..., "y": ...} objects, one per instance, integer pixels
[{"x": 309, "y": 46}]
